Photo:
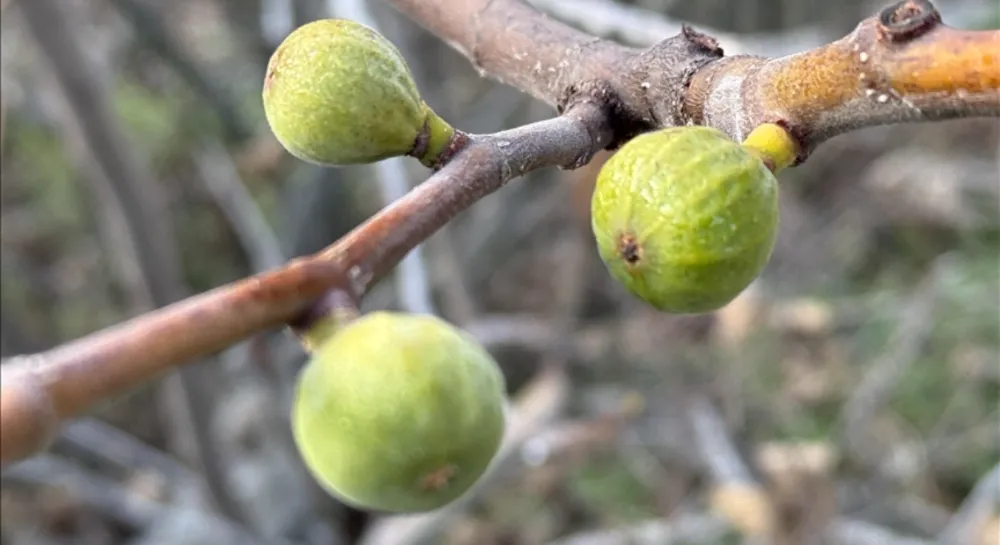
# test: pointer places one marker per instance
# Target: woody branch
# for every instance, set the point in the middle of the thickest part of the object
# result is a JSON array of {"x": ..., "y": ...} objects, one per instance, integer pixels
[{"x": 902, "y": 65}]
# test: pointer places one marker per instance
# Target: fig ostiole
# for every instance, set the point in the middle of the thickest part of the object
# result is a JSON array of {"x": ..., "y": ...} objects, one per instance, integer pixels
[
  {"x": 337, "y": 92},
  {"x": 685, "y": 218},
  {"x": 399, "y": 413}
]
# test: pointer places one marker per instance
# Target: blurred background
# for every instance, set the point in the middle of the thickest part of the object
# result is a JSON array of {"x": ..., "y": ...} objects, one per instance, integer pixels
[{"x": 849, "y": 396}]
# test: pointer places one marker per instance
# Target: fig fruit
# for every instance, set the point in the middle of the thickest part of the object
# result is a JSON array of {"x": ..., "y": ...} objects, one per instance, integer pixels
[
  {"x": 685, "y": 218},
  {"x": 399, "y": 413},
  {"x": 337, "y": 92}
]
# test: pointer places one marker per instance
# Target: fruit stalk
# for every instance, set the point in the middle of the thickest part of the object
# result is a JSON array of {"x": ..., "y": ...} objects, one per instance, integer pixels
[
  {"x": 329, "y": 314},
  {"x": 774, "y": 145},
  {"x": 436, "y": 142}
]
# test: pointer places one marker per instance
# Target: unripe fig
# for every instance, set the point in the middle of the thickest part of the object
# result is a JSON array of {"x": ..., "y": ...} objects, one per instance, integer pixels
[
  {"x": 399, "y": 412},
  {"x": 685, "y": 218},
  {"x": 337, "y": 92}
]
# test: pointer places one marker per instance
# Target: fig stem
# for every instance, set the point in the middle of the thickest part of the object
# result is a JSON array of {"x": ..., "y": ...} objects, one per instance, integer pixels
[
  {"x": 329, "y": 315},
  {"x": 774, "y": 145},
  {"x": 435, "y": 138}
]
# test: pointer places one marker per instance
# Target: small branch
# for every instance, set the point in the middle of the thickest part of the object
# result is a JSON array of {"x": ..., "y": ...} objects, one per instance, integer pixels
[{"x": 41, "y": 390}]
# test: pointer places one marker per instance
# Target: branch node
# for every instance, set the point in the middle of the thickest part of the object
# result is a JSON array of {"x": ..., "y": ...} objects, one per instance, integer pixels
[
  {"x": 322, "y": 318},
  {"x": 659, "y": 71},
  {"x": 602, "y": 94},
  {"x": 907, "y": 20},
  {"x": 458, "y": 141}
]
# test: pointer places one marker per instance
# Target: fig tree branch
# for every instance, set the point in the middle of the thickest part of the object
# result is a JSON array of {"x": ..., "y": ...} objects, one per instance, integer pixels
[
  {"x": 41, "y": 390},
  {"x": 901, "y": 65}
]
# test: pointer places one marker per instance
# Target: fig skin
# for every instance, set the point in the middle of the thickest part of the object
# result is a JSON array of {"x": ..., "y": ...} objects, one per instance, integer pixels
[
  {"x": 399, "y": 413},
  {"x": 685, "y": 218},
  {"x": 338, "y": 93}
]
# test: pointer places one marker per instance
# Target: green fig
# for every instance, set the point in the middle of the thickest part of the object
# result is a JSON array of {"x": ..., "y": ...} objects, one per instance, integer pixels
[
  {"x": 685, "y": 218},
  {"x": 399, "y": 413},
  {"x": 336, "y": 92}
]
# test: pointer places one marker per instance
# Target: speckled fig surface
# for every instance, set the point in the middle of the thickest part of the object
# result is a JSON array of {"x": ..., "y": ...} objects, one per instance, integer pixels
[
  {"x": 337, "y": 92},
  {"x": 399, "y": 412},
  {"x": 685, "y": 218}
]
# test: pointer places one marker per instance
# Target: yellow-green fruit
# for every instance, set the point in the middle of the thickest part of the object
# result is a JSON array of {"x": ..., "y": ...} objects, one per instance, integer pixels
[
  {"x": 337, "y": 92},
  {"x": 685, "y": 218},
  {"x": 399, "y": 412}
]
